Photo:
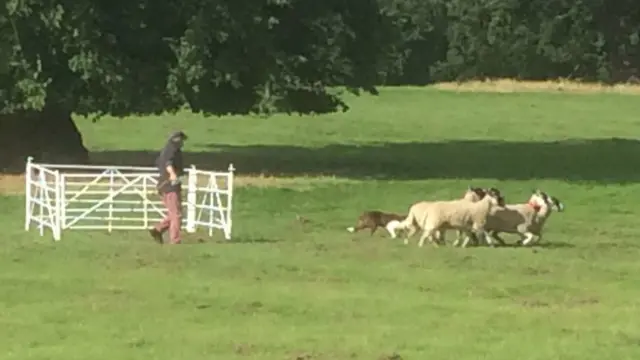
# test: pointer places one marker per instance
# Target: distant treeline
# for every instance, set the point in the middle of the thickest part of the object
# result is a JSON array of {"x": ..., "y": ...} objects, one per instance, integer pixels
[{"x": 447, "y": 40}]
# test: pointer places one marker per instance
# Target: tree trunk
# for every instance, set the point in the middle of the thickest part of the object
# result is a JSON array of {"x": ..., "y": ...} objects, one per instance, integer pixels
[{"x": 49, "y": 136}]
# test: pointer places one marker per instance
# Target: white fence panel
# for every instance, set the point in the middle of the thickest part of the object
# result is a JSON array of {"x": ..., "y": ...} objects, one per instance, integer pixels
[
  {"x": 67, "y": 197},
  {"x": 42, "y": 199},
  {"x": 111, "y": 200},
  {"x": 210, "y": 197}
]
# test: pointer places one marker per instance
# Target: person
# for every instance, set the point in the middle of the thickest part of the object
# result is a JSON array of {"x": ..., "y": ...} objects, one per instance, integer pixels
[{"x": 170, "y": 166}]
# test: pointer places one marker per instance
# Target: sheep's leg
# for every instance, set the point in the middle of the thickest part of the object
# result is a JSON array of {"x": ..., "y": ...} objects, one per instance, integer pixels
[
  {"x": 437, "y": 238},
  {"x": 458, "y": 238},
  {"x": 528, "y": 238},
  {"x": 477, "y": 240},
  {"x": 426, "y": 233},
  {"x": 472, "y": 235},
  {"x": 496, "y": 237},
  {"x": 412, "y": 231},
  {"x": 484, "y": 237},
  {"x": 435, "y": 242},
  {"x": 468, "y": 236},
  {"x": 493, "y": 239},
  {"x": 535, "y": 240},
  {"x": 480, "y": 235},
  {"x": 467, "y": 239}
]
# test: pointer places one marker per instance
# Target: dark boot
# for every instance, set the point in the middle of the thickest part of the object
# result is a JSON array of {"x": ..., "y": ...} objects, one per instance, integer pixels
[{"x": 156, "y": 235}]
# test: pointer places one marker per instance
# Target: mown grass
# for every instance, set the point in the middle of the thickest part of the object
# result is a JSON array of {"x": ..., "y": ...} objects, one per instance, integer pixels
[{"x": 284, "y": 289}]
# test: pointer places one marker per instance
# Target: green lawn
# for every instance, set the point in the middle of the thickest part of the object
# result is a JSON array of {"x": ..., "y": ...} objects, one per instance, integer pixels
[{"x": 287, "y": 290}]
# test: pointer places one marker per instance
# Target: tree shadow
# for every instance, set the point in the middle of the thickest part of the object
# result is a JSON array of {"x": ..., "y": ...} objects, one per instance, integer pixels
[{"x": 595, "y": 160}]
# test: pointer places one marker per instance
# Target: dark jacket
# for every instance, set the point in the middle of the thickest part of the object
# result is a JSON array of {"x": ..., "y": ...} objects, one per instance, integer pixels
[{"x": 171, "y": 154}]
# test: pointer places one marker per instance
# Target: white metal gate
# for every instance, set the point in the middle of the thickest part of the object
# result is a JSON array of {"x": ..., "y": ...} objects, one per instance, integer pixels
[{"x": 61, "y": 197}]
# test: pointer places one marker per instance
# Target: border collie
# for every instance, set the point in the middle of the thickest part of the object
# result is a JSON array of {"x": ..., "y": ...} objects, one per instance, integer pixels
[{"x": 375, "y": 219}]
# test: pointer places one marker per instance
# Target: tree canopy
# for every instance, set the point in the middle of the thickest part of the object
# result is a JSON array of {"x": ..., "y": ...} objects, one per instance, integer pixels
[{"x": 217, "y": 56}]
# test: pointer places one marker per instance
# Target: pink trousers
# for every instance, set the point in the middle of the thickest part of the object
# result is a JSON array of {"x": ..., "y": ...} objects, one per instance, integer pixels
[{"x": 173, "y": 220}]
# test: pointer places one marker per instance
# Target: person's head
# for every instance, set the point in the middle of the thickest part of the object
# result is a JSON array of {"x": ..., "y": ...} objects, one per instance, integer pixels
[{"x": 178, "y": 138}]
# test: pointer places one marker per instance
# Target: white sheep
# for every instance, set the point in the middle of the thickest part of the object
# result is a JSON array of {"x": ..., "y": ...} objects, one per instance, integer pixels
[
  {"x": 526, "y": 220},
  {"x": 472, "y": 194},
  {"x": 434, "y": 217}
]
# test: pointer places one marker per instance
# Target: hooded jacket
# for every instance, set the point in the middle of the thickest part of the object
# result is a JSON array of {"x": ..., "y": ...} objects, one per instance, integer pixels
[{"x": 171, "y": 154}]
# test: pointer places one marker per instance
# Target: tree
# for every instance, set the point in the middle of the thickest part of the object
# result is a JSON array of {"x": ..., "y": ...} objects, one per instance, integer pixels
[{"x": 140, "y": 57}]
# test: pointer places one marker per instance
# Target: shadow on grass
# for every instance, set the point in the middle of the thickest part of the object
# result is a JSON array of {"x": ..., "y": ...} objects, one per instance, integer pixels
[
  {"x": 596, "y": 160},
  {"x": 555, "y": 245},
  {"x": 544, "y": 245},
  {"x": 249, "y": 240},
  {"x": 617, "y": 245}
]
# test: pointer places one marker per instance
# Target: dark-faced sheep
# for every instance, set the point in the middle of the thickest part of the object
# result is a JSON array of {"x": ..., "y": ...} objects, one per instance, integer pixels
[{"x": 526, "y": 220}]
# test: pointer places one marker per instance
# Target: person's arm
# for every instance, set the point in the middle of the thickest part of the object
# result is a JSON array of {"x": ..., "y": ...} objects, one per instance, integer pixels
[
  {"x": 171, "y": 172},
  {"x": 167, "y": 158}
]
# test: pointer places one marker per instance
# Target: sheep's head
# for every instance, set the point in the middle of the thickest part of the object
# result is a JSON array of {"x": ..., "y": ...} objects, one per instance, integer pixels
[
  {"x": 474, "y": 194},
  {"x": 556, "y": 204},
  {"x": 495, "y": 196},
  {"x": 540, "y": 199}
]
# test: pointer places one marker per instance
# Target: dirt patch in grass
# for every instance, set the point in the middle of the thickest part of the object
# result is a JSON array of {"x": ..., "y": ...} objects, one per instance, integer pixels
[
  {"x": 11, "y": 184},
  {"x": 286, "y": 182},
  {"x": 559, "y": 86},
  {"x": 14, "y": 184},
  {"x": 393, "y": 356}
]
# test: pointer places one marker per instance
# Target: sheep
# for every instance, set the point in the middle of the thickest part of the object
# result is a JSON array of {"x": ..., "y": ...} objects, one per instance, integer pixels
[
  {"x": 433, "y": 217},
  {"x": 527, "y": 220},
  {"x": 472, "y": 194}
]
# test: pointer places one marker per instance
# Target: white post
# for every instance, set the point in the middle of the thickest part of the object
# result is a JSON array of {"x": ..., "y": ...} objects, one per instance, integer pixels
[
  {"x": 57, "y": 225},
  {"x": 211, "y": 189},
  {"x": 192, "y": 187},
  {"x": 111, "y": 196},
  {"x": 43, "y": 191},
  {"x": 63, "y": 200},
  {"x": 227, "y": 232},
  {"x": 145, "y": 202},
  {"x": 27, "y": 190}
]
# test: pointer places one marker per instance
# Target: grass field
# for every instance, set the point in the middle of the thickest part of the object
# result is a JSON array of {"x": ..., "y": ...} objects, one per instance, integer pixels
[{"x": 287, "y": 290}]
